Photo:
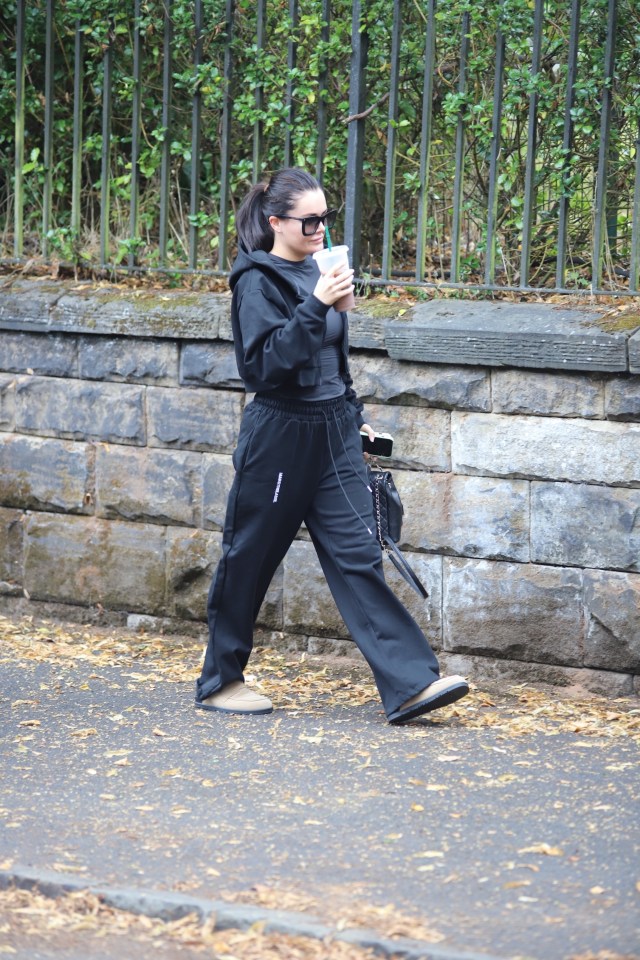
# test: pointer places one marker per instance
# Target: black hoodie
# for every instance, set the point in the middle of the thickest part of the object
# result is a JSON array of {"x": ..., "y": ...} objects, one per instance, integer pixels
[{"x": 277, "y": 330}]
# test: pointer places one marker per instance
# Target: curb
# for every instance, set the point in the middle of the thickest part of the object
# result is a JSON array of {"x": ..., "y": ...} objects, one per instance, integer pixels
[{"x": 173, "y": 906}]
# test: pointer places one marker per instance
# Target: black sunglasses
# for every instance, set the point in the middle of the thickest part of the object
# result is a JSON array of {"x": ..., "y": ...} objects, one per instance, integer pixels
[{"x": 311, "y": 224}]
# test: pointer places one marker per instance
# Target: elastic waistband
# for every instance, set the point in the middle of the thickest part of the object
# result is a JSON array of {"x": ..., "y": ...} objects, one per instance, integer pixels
[{"x": 304, "y": 409}]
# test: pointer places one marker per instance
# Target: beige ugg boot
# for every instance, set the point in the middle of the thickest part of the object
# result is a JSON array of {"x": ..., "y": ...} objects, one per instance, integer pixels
[{"x": 236, "y": 698}]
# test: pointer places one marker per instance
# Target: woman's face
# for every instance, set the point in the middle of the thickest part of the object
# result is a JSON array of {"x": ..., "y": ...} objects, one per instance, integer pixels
[{"x": 289, "y": 242}]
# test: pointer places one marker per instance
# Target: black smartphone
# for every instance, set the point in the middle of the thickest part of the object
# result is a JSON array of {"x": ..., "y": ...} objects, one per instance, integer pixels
[{"x": 380, "y": 446}]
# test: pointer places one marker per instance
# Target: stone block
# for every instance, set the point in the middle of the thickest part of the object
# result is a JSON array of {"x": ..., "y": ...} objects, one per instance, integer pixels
[
  {"x": 512, "y": 610},
  {"x": 192, "y": 557},
  {"x": 327, "y": 647},
  {"x": 209, "y": 364},
  {"x": 26, "y": 304},
  {"x": 179, "y": 314},
  {"x": 78, "y": 410},
  {"x": 546, "y": 448},
  {"x": 157, "y": 486},
  {"x": 503, "y": 334},
  {"x": 7, "y": 403},
  {"x": 87, "y": 561},
  {"x": 634, "y": 352},
  {"x": 218, "y": 474},
  {"x": 382, "y": 380},
  {"x": 194, "y": 419},
  {"x": 496, "y": 673},
  {"x": 612, "y": 601},
  {"x": 48, "y": 354},
  {"x": 584, "y": 525},
  {"x": 421, "y": 434},
  {"x": 54, "y": 475},
  {"x": 542, "y": 394},
  {"x": 465, "y": 516},
  {"x": 367, "y": 325},
  {"x": 622, "y": 399},
  {"x": 427, "y": 613},
  {"x": 11, "y": 551},
  {"x": 310, "y": 608},
  {"x": 128, "y": 359},
  {"x": 225, "y": 330}
]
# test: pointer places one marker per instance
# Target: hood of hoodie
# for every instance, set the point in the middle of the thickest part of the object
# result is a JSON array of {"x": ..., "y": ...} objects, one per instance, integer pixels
[{"x": 263, "y": 261}]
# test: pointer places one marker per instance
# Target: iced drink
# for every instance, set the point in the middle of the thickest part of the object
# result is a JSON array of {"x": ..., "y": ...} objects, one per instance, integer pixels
[{"x": 327, "y": 260}]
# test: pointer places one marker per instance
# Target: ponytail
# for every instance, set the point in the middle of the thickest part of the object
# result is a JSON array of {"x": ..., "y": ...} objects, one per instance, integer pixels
[
  {"x": 271, "y": 199},
  {"x": 253, "y": 228}
]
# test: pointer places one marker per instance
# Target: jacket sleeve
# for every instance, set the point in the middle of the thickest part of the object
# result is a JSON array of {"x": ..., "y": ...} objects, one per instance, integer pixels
[{"x": 275, "y": 345}]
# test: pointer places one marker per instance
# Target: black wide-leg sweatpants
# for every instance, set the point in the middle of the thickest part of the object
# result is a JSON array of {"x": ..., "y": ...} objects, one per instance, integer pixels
[{"x": 295, "y": 462}]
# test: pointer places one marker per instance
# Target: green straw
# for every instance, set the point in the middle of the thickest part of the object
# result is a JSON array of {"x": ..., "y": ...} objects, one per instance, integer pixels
[{"x": 327, "y": 237}]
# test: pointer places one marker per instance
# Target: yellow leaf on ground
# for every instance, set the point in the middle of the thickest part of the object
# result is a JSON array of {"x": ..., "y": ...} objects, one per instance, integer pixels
[{"x": 544, "y": 848}]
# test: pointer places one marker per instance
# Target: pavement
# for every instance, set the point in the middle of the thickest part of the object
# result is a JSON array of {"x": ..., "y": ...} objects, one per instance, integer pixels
[{"x": 503, "y": 827}]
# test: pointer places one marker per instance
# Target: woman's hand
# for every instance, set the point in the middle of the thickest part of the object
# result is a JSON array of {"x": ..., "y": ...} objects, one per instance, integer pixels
[{"x": 333, "y": 285}]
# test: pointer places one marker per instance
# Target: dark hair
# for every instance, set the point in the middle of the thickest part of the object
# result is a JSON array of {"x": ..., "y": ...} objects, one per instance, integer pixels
[{"x": 270, "y": 199}]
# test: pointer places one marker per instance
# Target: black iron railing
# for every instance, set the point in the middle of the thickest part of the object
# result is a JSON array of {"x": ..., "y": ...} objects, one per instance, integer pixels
[{"x": 490, "y": 145}]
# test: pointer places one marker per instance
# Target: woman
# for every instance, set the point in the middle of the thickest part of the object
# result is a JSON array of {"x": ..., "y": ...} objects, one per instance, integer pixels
[{"x": 299, "y": 458}]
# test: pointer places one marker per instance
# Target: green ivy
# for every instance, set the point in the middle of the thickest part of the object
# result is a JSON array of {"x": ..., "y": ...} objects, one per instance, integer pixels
[{"x": 108, "y": 24}]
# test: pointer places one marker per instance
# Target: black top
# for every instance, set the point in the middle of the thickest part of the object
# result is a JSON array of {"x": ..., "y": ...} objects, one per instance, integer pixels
[{"x": 305, "y": 273}]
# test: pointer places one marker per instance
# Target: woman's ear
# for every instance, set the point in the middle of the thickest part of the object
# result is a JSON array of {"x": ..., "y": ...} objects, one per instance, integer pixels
[{"x": 274, "y": 223}]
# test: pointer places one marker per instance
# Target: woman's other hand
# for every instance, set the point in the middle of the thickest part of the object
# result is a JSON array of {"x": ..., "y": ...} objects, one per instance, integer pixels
[{"x": 333, "y": 285}]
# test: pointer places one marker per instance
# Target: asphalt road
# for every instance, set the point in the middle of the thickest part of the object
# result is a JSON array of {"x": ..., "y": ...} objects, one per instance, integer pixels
[{"x": 509, "y": 839}]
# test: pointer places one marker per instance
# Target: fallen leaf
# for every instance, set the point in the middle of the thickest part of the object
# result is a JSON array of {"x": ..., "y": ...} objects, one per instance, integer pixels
[{"x": 544, "y": 848}]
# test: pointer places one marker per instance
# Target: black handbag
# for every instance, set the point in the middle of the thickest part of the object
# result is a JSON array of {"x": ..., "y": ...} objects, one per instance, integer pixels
[{"x": 388, "y": 512}]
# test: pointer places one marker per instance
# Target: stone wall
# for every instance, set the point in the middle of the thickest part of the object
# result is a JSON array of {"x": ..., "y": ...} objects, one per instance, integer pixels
[{"x": 520, "y": 475}]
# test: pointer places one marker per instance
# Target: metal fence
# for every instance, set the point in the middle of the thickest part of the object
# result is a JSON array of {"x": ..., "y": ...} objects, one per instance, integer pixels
[{"x": 486, "y": 145}]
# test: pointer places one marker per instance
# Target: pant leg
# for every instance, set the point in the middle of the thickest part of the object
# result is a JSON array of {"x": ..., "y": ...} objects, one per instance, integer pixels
[
  {"x": 274, "y": 482},
  {"x": 393, "y": 644}
]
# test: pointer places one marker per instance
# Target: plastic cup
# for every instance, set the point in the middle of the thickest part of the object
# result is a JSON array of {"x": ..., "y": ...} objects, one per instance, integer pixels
[{"x": 327, "y": 260}]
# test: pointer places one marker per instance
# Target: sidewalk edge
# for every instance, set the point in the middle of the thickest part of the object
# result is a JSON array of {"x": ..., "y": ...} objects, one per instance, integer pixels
[{"x": 168, "y": 906}]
